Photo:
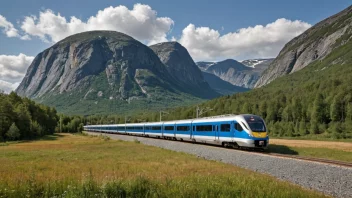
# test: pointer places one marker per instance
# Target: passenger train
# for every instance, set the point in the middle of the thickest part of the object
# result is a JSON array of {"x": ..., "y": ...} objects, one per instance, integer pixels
[{"x": 228, "y": 130}]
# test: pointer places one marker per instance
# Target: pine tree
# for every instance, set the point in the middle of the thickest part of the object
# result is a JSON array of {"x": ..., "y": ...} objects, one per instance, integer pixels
[
  {"x": 13, "y": 133},
  {"x": 336, "y": 109},
  {"x": 262, "y": 109},
  {"x": 302, "y": 128},
  {"x": 349, "y": 111},
  {"x": 296, "y": 109},
  {"x": 314, "y": 128},
  {"x": 318, "y": 110}
]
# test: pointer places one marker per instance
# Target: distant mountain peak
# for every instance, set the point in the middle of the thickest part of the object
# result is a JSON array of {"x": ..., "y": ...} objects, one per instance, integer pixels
[
  {"x": 254, "y": 62},
  {"x": 236, "y": 73}
]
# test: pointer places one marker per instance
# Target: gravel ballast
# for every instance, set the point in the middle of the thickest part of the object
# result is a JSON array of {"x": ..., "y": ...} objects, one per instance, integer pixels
[{"x": 329, "y": 179}]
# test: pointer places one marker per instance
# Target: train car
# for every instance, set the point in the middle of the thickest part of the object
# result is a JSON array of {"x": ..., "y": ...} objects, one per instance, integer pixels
[{"x": 228, "y": 130}]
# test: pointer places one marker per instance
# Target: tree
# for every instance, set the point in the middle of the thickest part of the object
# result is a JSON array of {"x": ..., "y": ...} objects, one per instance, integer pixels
[
  {"x": 302, "y": 128},
  {"x": 6, "y": 116},
  {"x": 336, "y": 109},
  {"x": 262, "y": 109},
  {"x": 287, "y": 114},
  {"x": 13, "y": 133},
  {"x": 349, "y": 112},
  {"x": 296, "y": 109},
  {"x": 314, "y": 128},
  {"x": 318, "y": 111},
  {"x": 23, "y": 121}
]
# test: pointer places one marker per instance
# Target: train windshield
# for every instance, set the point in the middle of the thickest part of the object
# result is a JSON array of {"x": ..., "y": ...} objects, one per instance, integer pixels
[
  {"x": 255, "y": 123},
  {"x": 257, "y": 126}
]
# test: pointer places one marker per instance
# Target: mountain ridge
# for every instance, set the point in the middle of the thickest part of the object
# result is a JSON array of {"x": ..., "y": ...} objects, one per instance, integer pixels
[
  {"x": 316, "y": 43},
  {"x": 234, "y": 72}
]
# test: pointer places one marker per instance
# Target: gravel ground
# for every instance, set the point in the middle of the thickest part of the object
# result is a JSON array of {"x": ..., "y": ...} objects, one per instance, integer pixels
[{"x": 329, "y": 179}]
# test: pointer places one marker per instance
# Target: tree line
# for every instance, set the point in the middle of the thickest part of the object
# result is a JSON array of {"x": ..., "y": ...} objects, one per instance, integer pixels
[{"x": 21, "y": 118}]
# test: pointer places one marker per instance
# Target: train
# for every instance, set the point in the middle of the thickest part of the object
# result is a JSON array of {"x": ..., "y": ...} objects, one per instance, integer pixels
[{"x": 237, "y": 131}]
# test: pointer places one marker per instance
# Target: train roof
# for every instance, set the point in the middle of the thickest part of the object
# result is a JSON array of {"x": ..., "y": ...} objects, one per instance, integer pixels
[{"x": 228, "y": 117}]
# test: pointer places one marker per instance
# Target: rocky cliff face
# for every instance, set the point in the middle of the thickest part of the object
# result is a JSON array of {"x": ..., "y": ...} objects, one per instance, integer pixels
[
  {"x": 181, "y": 66},
  {"x": 71, "y": 63},
  {"x": 234, "y": 72},
  {"x": 221, "y": 86},
  {"x": 178, "y": 62},
  {"x": 313, "y": 45},
  {"x": 103, "y": 67}
]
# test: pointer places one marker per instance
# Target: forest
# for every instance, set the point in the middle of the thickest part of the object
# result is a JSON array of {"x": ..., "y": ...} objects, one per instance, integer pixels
[{"x": 23, "y": 119}]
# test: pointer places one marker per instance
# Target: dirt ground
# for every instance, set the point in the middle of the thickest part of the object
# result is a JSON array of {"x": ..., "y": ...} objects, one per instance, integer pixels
[{"x": 345, "y": 146}]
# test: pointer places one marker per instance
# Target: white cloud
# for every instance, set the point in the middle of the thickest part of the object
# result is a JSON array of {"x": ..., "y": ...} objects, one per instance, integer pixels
[
  {"x": 141, "y": 23},
  {"x": 8, "y": 27},
  {"x": 12, "y": 70},
  {"x": 25, "y": 37},
  {"x": 259, "y": 41},
  {"x": 7, "y": 87}
]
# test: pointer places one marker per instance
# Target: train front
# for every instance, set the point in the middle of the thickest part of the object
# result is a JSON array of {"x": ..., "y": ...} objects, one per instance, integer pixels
[{"x": 257, "y": 131}]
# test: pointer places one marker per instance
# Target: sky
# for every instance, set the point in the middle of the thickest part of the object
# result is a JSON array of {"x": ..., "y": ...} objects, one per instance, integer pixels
[{"x": 210, "y": 30}]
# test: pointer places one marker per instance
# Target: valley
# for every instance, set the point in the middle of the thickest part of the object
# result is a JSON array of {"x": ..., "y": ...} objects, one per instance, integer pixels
[{"x": 241, "y": 102}]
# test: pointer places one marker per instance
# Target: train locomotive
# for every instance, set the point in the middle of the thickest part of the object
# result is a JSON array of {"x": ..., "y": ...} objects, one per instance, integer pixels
[{"x": 239, "y": 131}]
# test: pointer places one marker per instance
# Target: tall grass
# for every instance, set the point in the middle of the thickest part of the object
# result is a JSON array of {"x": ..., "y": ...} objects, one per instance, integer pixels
[{"x": 86, "y": 166}]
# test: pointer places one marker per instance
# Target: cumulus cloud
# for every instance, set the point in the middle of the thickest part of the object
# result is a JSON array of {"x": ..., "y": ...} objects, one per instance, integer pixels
[
  {"x": 12, "y": 70},
  {"x": 141, "y": 23},
  {"x": 8, "y": 27},
  {"x": 259, "y": 41},
  {"x": 7, "y": 87}
]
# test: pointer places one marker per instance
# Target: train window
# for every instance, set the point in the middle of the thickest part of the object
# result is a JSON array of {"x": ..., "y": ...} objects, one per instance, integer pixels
[
  {"x": 183, "y": 128},
  {"x": 204, "y": 128},
  {"x": 194, "y": 128},
  {"x": 238, "y": 127},
  {"x": 245, "y": 126},
  {"x": 147, "y": 128},
  {"x": 225, "y": 127},
  {"x": 169, "y": 128},
  {"x": 156, "y": 127}
]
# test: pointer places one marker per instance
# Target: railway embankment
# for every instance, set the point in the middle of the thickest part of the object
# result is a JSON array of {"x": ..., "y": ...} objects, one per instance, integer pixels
[{"x": 329, "y": 179}]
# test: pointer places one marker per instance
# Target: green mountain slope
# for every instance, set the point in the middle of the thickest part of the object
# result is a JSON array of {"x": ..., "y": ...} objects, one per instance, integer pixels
[{"x": 316, "y": 100}]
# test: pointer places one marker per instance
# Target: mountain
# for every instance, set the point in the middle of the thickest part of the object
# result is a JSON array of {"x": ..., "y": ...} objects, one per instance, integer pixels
[
  {"x": 312, "y": 102},
  {"x": 221, "y": 86},
  {"x": 258, "y": 63},
  {"x": 181, "y": 66},
  {"x": 234, "y": 72},
  {"x": 315, "y": 44},
  {"x": 105, "y": 71},
  {"x": 204, "y": 65}
]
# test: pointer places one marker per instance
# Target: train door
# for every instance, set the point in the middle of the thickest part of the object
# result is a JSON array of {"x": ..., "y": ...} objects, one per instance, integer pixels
[
  {"x": 232, "y": 131},
  {"x": 216, "y": 132}
]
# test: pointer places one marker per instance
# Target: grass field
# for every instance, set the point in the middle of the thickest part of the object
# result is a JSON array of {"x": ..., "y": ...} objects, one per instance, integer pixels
[
  {"x": 66, "y": 165},
  {"x": 320, "y": 149}
]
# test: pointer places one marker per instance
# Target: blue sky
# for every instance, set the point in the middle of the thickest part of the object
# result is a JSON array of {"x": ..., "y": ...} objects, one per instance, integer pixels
[
  {"x": 229, "y": 14},
  {"x": 210, "y": 30}
]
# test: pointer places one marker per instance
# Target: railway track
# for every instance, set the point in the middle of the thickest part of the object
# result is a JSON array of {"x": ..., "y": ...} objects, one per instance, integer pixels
[
  {"x": 266, "y": 152},
  {"x": 312, "y": 159}
]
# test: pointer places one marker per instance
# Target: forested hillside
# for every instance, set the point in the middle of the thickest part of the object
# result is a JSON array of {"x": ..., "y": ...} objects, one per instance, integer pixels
[{"x": 315, "y": 101}]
